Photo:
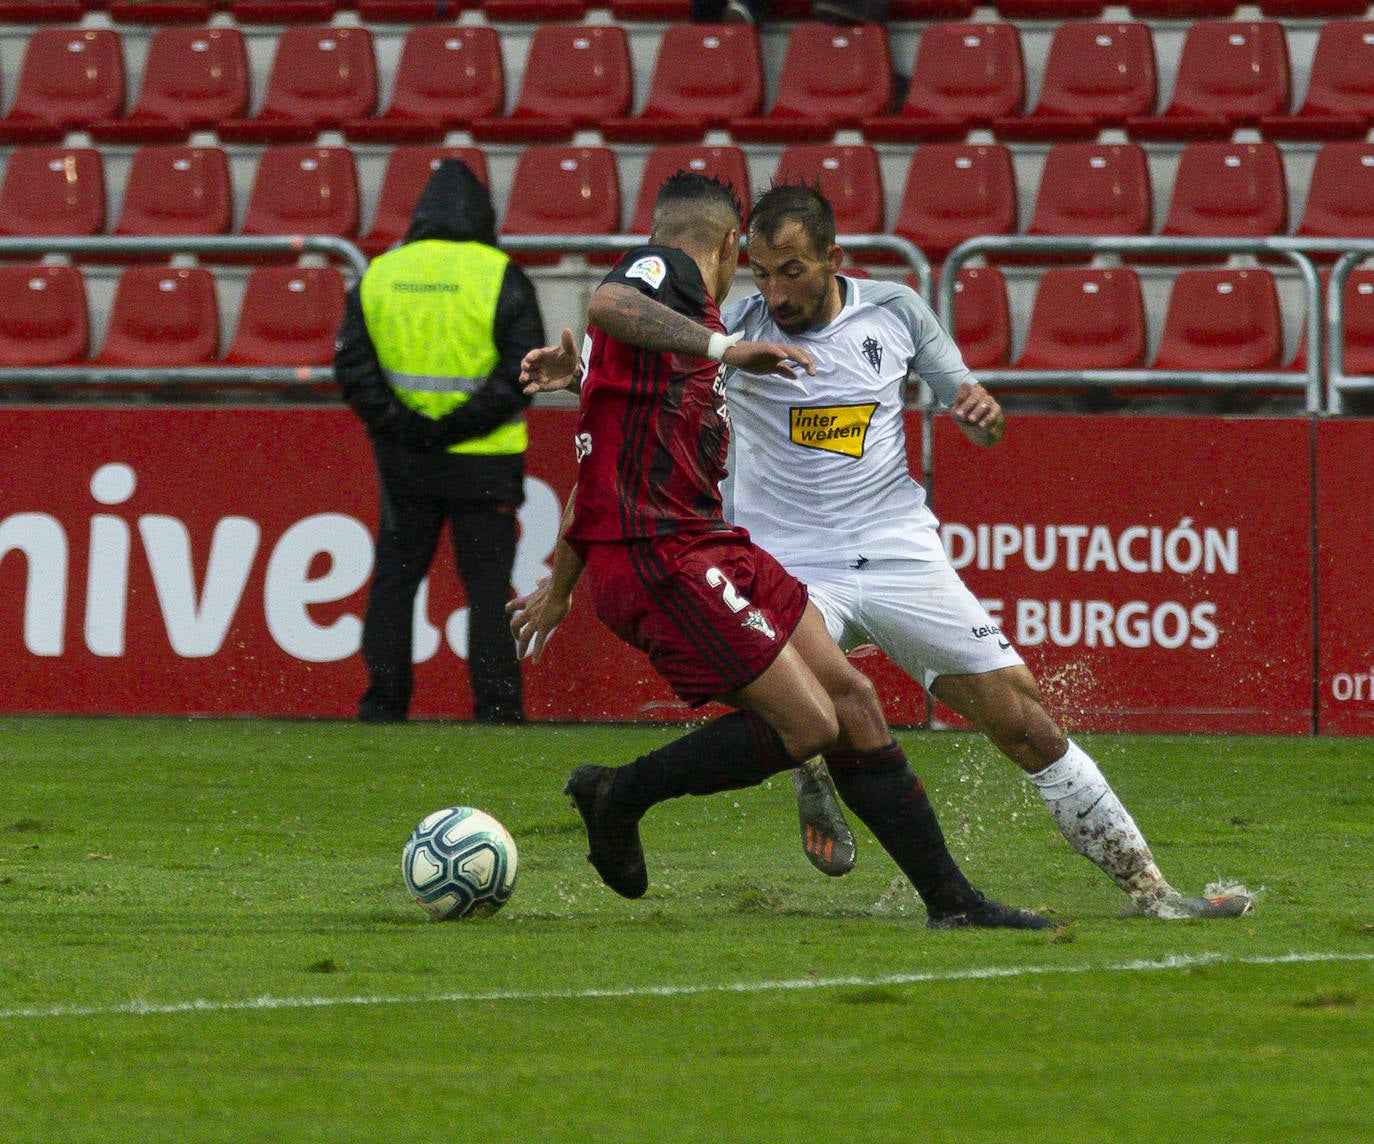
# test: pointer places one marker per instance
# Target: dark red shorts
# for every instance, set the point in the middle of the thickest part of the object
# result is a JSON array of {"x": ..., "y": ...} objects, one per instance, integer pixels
[{"x": 711, "y": 610}]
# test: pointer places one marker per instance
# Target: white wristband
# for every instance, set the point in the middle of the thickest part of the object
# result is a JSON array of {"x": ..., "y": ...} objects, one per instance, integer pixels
[{"x": 719, "y": 343}]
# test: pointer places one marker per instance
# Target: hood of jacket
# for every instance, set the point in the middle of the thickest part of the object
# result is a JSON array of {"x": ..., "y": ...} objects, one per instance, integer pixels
[{"x": 454, "y": 207}]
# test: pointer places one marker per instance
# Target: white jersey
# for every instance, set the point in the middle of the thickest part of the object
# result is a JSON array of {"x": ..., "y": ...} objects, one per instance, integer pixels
[{"x": 820, "y": 474}]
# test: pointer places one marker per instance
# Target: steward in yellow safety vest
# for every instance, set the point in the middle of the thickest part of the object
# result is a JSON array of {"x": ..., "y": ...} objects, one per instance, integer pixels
[{"x": 428, "y": 357}]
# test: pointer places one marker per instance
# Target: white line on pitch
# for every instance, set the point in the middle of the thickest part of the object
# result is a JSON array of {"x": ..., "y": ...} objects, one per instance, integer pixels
[{"x": 1181, "y": 961}]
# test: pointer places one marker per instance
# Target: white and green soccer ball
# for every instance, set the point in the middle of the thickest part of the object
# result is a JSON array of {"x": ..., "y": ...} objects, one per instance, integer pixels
[{"x": 458, "y": 862}]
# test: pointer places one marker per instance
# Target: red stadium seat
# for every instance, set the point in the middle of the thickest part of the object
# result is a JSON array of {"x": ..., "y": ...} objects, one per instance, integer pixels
[
  {"x": 1086, "y": 319},
  {"x": 282, "y": 11},
  {"x": 70, "y": 78},
  {"x": 177, "y": 190},
  {"x": 831, "y": 78},
  {"x": 1050, "y": 9},
  {"x": 1183, "y": 9},
  {"x": 194, "y": 79},
  {"x": 1359, "y": 323},
  {"x": 1311, "y": 9},
  {"x": 44, "y": 317},
  {"x": 956, "y": 191},
  {"x": 1231, "y": 74},
  {"x": 53, "y": 191},
  {"x": 928, "y": 11},
  {"x": 576, "y": 76},
  {"x": 848, "y": 176},
  {"x": 41, "y": 11},
  {"x": 1221, "y": 320},
  {"x": 560, "y": 190},
  {"x": 446, "y": 78},
  {"x": 982, "y": 317},
  {"x": 1358, "y": 317},
  {"x": 289, "y": 316},
  {"x": 725, "y": 163},
  {"x": 1339, "y": 103},
  {"x": 164, "y": 12},
  {"x": 1096, "y": 75},
  {"x": 1228, "y": 190},
  {"x": 408, "y": 169},
  {"x": 705, "y": 75},
  {"x": 162, "y": 317},
  {"x": 303, "y": 190},
  {"x": 1340, "y": 194},
  {"x": 533, "y": 11},
  {"x": 321, "y": 77},
  {"x": 412, "y": 11},
  {"x": 659, "y": 11},
  {"x": 964, "y": 76},
  {"x": 1093, "y": 189}
]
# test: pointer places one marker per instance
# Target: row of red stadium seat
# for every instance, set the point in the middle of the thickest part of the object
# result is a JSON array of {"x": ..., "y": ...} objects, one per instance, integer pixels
[
  {"x": 539, "y": 11},
  {"x": 1095, "y": 318},
  {"x": 169, "y": 316},
  {"x": 952, "y": 191},
  {"x": 1081, "y": 319},
  {"x": 1231, "y": 75}
]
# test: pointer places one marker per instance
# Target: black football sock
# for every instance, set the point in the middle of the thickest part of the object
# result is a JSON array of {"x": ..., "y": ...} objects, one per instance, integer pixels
[
  {"x": 881, "y": 788},
  {"x": 734, "y": 751}
]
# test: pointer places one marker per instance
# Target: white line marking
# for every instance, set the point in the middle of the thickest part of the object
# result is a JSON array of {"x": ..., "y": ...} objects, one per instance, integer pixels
[{"x": 986, "y": 973}]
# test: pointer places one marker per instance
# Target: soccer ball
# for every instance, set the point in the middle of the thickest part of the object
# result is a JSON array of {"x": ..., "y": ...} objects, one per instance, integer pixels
[{"x": 459, "y": 861}]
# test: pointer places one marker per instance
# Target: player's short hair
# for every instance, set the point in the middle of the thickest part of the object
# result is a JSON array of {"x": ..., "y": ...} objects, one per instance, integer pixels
[
  {"x": 695, "y": 208},
  {"x": 794, "y": 202}
]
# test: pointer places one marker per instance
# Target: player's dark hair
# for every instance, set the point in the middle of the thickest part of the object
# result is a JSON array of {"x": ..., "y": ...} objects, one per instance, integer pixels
[
  {"x": 695, "y": 208},
  {"x": 794, "y": 202}
]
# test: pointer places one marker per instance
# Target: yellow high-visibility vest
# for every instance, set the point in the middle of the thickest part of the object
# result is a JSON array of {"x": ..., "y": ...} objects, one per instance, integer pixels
[{"x": 430, "y": 308}]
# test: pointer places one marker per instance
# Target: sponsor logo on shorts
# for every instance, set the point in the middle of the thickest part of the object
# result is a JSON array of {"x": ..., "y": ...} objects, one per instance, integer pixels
[
  {"x": 983, "y": 631},
  {"x": 834, "y": 428}
]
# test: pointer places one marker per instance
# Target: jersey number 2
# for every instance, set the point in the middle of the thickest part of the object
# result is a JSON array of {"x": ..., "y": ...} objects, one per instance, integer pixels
[{"x": 728, "y": 592}]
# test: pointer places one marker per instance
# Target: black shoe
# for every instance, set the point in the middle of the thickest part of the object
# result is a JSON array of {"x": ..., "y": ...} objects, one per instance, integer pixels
[
  {"x": 983, "y": 913},
  {"x": 613, "y": 838}
]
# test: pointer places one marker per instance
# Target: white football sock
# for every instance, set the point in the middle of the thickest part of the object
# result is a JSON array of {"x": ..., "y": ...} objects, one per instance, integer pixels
[{"x": 1091, "y": 817}]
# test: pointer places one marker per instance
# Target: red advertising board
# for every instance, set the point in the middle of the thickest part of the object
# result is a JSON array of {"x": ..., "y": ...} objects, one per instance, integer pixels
[
  {"x": 1345, "y": 565},
  {"x": 1155, "y": 572},
  {"x": 214, "y": 561}
]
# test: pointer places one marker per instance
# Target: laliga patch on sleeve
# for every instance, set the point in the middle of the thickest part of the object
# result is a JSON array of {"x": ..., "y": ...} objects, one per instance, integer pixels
[{"x": 650, "y": 269}]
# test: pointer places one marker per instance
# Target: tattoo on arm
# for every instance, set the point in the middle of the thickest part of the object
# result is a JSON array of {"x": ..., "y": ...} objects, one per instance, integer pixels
[{"x": 638, "y": 320}]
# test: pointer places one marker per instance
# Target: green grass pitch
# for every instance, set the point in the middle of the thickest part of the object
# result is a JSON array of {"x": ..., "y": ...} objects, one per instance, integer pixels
[{"x": 204, "y": 937}]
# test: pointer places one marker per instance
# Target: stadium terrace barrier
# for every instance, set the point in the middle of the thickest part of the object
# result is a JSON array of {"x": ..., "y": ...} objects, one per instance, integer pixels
[
  {"x": 354, "y": 263},
  {"x": 337, "y": 249},
  {"x": 1328, "y": 335}
]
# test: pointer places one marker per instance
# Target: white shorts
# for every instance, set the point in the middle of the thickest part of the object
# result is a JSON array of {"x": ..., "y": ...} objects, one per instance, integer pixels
[{"x": 921, "y": 615}]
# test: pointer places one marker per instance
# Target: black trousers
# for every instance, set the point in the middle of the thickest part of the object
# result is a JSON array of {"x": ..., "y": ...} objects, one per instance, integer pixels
[{"x": 477, "y": 497}]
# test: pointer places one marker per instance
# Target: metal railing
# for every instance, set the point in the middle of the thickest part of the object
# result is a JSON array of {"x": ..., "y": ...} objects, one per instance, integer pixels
[
  {"x": 355, "y": 263},
  {"x": 337, "y": 249},
  {"x": 1324, "y": 321}
]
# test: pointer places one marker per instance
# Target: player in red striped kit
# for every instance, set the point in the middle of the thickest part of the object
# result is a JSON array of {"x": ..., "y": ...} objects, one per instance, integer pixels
[{"x": 718, "y": 617}]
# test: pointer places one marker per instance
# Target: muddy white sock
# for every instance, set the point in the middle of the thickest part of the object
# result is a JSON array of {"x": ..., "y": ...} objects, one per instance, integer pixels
[{"x": 1091, "y": 817}]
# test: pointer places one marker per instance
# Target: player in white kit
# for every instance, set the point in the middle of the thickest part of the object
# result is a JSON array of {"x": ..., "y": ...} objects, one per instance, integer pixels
[{"x": 821, "y": 479}]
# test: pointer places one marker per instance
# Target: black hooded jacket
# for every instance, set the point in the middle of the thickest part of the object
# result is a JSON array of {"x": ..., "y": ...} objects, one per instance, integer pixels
[{"x": 454, "y": 207}]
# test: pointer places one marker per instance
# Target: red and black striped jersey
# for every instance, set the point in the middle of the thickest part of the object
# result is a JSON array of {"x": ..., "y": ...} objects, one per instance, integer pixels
[{"x": 653, "y": 429}]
